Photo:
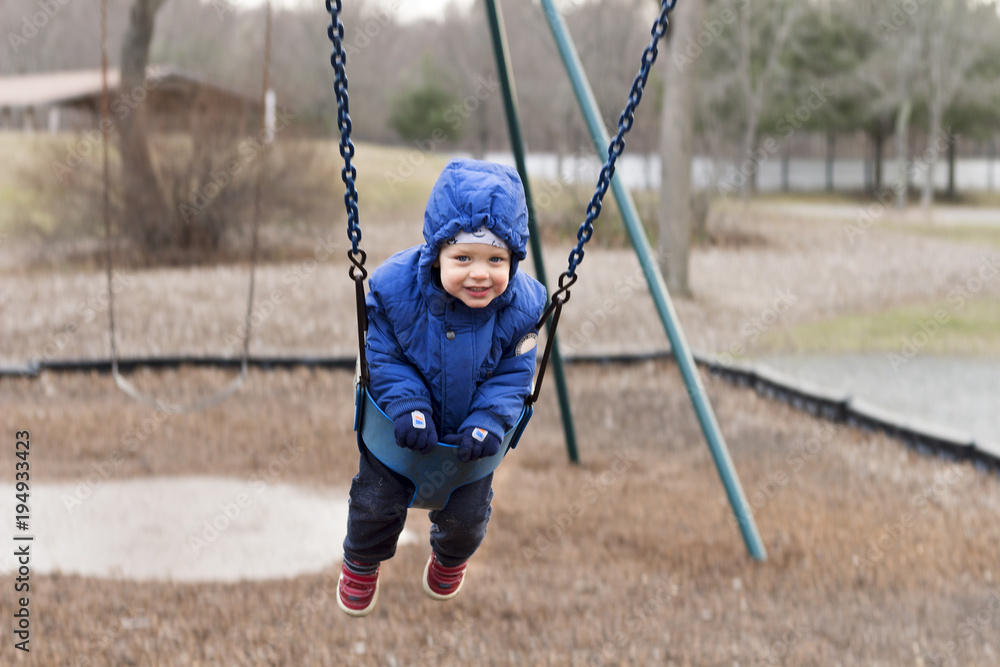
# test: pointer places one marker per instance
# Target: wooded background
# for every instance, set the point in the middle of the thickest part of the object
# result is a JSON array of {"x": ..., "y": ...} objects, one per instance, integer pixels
[
  {"x": 907, "y": 69},
  {"x": 746, "y": 82}
]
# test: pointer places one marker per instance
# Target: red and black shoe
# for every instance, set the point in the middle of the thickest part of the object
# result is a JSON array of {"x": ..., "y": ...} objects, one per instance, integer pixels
[
  {"x": 443, "y": 583},
  {"x": 357, "y": 593}
]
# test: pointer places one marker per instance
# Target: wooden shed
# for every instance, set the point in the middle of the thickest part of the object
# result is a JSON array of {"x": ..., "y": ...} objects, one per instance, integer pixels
[{"x": 173, "y": 101}]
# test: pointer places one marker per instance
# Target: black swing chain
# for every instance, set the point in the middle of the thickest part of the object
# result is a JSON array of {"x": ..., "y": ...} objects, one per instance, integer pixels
[
  {"x": 617, "y": 145},
  {"x": 338, "y": 59},
  {"x": 357, "y": 271},
  {"x": 586, "y": 230}
]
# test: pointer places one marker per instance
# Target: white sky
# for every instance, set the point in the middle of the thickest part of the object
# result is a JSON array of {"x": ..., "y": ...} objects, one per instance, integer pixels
[
  {"x": 418, "y": 9},
  {"x": 406, "y": 10}
]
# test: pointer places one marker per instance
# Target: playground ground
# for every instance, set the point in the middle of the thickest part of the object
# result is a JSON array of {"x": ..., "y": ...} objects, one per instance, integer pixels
[{"x": 877, "y": 555}]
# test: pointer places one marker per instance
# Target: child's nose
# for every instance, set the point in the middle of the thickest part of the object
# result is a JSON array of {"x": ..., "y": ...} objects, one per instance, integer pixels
[{"x": 479, "y": 270}]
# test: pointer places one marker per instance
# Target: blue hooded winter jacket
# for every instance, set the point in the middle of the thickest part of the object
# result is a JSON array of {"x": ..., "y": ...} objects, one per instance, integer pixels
[{"x": 427, "y": 350}]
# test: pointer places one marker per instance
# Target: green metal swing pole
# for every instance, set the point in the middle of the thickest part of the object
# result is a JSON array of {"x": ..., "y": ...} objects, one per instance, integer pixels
[
  {"x": 657, "y": 288},
  {"x": 506, "y": 76}
]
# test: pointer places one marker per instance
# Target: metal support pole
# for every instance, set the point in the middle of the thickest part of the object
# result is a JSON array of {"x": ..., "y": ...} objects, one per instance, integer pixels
[
  {"x": 500, "y": 51},
  {"x": 658, "y": 289}
]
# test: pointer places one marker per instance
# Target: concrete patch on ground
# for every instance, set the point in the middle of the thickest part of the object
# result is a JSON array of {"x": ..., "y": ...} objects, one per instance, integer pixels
[{"x": 187, "y": 529}]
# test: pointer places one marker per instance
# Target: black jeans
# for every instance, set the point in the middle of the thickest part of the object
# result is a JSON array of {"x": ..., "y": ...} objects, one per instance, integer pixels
[{"x": 377, "y": 513}]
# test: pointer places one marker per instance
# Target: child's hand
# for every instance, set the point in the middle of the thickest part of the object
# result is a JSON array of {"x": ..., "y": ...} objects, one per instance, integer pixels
[
  {"x": 474, "y": 443},
  {"x": 415, "y": 431}
]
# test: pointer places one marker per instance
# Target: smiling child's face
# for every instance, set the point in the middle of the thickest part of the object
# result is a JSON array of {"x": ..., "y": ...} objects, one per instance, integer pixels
[{"x": 474, "y": 273}]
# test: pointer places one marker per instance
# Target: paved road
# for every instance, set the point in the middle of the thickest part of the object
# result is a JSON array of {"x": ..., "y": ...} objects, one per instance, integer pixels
[
  {"x": 940, "y": 214},
  {"x": 961, "y": 394}
]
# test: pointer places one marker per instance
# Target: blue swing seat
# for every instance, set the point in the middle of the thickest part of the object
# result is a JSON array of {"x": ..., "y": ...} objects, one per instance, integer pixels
[{"x": 434, "y": 475}]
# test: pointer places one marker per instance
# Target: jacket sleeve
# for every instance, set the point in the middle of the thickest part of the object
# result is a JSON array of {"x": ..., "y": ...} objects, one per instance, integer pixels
[
  {"x": 499, "y": 399},
  {"x": 396, "y": 384}
]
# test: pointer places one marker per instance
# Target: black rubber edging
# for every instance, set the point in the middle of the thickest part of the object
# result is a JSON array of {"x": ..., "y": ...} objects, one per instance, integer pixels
[
  {"x": 130, "y": 364},
  {"x": 843, "y": 408},
  {"x": 817, "y": 401}
]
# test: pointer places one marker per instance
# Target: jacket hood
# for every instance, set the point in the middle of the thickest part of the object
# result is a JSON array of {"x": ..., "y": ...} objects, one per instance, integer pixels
[{"x": 470, "y": 194}]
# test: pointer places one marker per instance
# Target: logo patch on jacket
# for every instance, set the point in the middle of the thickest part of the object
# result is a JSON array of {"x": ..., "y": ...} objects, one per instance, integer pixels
[{"x": 526, "y": 344}]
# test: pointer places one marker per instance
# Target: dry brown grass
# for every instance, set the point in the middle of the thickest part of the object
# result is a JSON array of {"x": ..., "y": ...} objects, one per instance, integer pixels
[{"x": 654, "y": 572}]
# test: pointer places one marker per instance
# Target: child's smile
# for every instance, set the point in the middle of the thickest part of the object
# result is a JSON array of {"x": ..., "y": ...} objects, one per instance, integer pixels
[{"x": 474, "y": 273}]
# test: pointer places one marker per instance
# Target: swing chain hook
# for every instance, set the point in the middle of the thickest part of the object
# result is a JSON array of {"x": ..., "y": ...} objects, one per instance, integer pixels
[
  {"x": 357, "y": 270},
  {"x": 566, "y": 280},
  {"x": 551, "y": 318},
  {"x": 617, "y": 145}
]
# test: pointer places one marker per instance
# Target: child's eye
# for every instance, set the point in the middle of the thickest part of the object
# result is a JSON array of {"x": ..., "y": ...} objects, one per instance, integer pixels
[
  {"x": 461, "y": 258},
  {"x": 497, "y": 259}
]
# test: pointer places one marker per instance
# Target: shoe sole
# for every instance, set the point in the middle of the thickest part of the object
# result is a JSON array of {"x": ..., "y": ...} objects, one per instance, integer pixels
[
  {"x": 357, "y": 613},
  {"x": 437, "y": 596}
]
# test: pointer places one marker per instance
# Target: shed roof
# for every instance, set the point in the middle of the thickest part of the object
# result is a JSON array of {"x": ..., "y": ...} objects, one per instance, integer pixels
[{"x": 73, "y": 86}]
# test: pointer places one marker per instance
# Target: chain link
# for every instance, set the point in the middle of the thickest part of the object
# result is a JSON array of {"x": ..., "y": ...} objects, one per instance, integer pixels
[
  {"x": 617, "y": 145},
  {"x": 338, "y": 59}
]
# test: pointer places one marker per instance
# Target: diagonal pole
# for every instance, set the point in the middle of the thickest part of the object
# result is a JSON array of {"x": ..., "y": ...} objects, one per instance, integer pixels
[
  {"x": 658, "y": 290},
  {"x": 517, "y": 145}
]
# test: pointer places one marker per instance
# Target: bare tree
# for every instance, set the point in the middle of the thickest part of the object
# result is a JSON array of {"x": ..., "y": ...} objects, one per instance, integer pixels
[
  {"x": 957, "y": 38},
  {"x": 144, "y": 203},
  {"x": 756, "y": 55},
  {"x": 676, "y": 214}
]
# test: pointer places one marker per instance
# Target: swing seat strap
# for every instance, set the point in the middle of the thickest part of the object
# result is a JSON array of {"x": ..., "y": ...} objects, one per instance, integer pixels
[{"x": 434, "y": 475}]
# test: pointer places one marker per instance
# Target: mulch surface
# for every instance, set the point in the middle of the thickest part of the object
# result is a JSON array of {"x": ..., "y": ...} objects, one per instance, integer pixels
[{"x": 876, "y": 554}]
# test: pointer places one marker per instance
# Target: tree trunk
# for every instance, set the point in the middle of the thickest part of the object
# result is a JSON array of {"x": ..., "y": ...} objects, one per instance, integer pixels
[
  {"x": 933, "y": 130},
  {"x": 902, "y": 157},
  {"x": 786, "y": 159},
  {"x": 990, "y": 181},
  {"x": 748, "y": 158},
  {"x": 831, "y": 141},
  {"x": 879, "y": 139},
  {"x": 952, "y": 193},
  {"x": 145, "y": 211},
  {"x": 676, "y": 153}
]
